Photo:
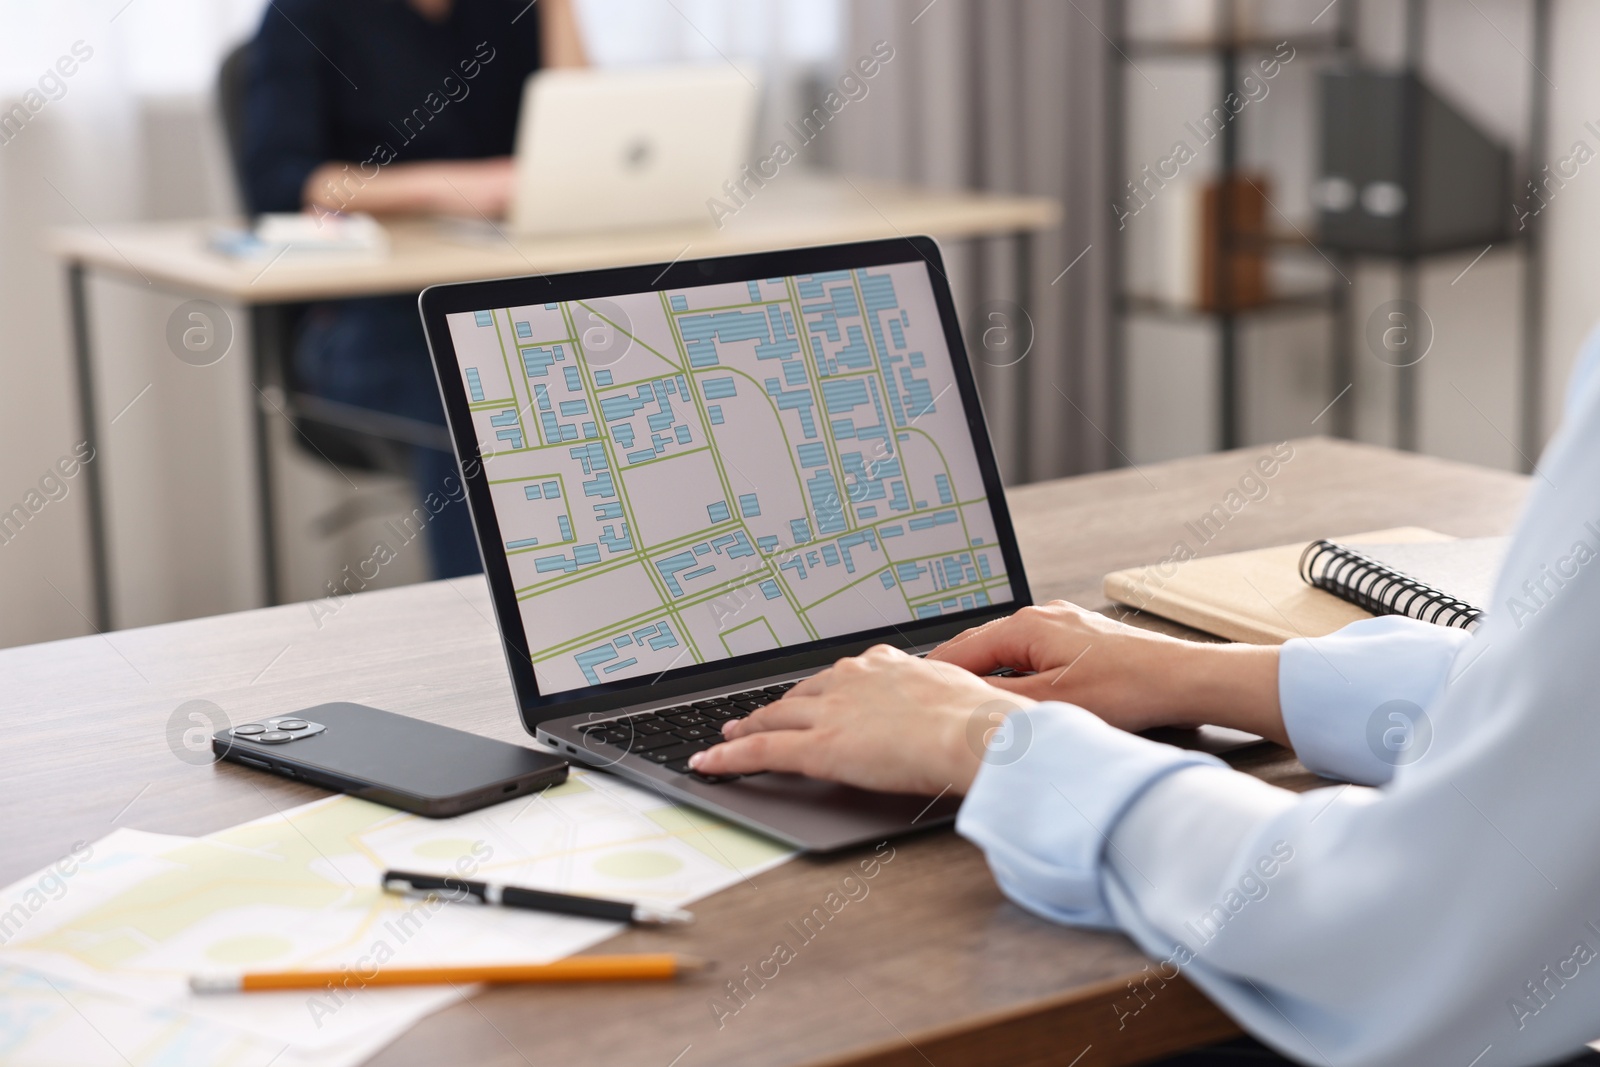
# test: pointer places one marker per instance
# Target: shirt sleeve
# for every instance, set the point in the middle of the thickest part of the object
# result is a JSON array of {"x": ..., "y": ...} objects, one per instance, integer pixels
[
  {"x": 285, "y": 112},
  {"x": 1351, "y": 700},
  {"x": 1447, "y": 917},
  {"x": 1054, "y": 781}
]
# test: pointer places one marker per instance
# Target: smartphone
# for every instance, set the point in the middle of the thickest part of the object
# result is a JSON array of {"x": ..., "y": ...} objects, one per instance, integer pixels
[{"x": 391, "y": 759}]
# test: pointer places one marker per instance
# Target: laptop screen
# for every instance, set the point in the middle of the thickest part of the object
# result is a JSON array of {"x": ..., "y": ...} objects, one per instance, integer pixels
[{"x": 690, "y": 475}]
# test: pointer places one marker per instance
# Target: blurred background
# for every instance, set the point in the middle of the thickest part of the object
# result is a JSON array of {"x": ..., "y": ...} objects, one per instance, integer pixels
[{"x": 1369, "y": 219}]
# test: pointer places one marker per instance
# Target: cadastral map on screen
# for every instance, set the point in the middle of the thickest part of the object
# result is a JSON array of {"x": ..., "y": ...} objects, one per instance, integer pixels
[{"x": 693, "y": 474}]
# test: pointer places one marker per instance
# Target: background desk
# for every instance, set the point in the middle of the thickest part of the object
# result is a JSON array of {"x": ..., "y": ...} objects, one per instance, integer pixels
[
  {"x": 790, "y": 213},
  {"x": 934, "y": 966}
]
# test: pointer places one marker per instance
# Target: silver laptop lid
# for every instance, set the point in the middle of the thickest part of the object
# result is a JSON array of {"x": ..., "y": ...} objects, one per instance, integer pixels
[{"x": 604, "y": 149}]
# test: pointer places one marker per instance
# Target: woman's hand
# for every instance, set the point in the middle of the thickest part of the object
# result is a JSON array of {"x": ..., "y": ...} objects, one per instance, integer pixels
[
  {"x": 1132, "y": 678},
  {"x": 468, "y": 187},
  {"x": 888, "y": 721},
  {"x": 473, "y": 188},
  {"x": 882, "y": 720}
]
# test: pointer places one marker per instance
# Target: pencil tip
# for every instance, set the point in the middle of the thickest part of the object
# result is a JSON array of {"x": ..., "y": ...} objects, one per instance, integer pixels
[{"x": 695, "y": 965}]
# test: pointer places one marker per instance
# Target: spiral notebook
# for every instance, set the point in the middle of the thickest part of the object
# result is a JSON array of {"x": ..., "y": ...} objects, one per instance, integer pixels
[{"x": 1270, "y": 595}]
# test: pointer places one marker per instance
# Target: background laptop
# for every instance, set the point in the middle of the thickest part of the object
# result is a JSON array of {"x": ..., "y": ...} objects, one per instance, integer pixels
[
  {"x": 696, "y": 483},
  {"x": 599, "y": 149}
]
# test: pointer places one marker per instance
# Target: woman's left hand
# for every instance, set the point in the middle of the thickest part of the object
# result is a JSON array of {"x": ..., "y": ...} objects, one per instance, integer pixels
[{"x": 882, "y": 720}]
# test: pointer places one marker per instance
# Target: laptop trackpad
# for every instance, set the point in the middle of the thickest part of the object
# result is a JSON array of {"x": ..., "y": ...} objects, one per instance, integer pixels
[{"x": 822, "y": 816}]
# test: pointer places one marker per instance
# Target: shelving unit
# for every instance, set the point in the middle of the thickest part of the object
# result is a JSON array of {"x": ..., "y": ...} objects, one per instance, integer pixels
[
  {"x": 1289, "y": 303},
  {"x": 1530, "y": 376},
  {"x": 1530, "y": 380},
  {"x": 1227, "y": 53}
]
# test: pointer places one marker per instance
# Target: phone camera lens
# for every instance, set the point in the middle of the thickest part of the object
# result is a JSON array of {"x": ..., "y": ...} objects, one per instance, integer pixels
[
  {"x": 273, "y": 737},
  {"x": 292, "y": 724},
  {"x": 249, "y": 729}
]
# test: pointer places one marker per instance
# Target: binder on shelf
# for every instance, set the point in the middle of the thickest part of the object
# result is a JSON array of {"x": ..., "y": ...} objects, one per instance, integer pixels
[{"x": 1403, "y": 171}]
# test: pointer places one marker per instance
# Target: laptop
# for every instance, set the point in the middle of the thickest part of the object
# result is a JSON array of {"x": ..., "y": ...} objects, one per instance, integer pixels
[
  {"x": 696, "y": 483},
  {"x": 603, "y": 149}
]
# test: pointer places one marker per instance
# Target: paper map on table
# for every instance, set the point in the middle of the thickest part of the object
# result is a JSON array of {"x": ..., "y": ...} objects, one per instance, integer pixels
[
  {"x": 300, "y": 890},
  {"x": 51, "y": 1022}
]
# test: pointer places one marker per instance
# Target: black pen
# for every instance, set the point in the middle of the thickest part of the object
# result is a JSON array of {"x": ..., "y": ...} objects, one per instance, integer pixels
[{"x": 451, "y": 887}]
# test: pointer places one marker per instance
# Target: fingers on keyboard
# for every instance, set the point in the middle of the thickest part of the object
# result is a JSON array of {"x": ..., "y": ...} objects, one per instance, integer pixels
[{"x": 669, "y": 736}]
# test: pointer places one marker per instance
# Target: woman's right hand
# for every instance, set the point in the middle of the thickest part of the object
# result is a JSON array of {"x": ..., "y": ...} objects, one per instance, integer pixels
[{"x": 1134, "y": 679}]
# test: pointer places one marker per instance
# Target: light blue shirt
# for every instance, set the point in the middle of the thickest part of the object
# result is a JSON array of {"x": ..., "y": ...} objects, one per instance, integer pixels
[{"x": 1446, "y": 910}]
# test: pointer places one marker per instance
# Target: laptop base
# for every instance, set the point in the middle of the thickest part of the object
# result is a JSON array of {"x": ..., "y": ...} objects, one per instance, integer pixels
[{"x": 805, "y": 813}]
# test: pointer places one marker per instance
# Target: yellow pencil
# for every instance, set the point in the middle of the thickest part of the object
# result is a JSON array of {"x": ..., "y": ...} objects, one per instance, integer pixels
[{"x": 576, "y": 969}]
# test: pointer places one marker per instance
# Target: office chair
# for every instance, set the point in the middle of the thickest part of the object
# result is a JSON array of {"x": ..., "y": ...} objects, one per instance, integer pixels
[{"x": 343, "y": 436}]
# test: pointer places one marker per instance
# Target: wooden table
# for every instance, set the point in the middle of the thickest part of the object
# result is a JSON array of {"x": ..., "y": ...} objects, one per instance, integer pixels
[
  {"x": 934, "y": 966},
  {"x": 796, "y": 211}
]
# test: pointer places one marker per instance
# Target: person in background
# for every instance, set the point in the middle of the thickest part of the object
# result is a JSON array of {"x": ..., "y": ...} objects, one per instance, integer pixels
[
  {"x": 1443, "y": 910},
  {"x": 392, "y": 107}
]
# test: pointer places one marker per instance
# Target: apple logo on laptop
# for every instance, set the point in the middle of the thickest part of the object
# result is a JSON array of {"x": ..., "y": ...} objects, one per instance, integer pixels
[{"x": 638, "y": 153}]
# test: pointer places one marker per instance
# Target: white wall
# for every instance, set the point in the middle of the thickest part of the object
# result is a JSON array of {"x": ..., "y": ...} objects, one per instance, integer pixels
[
  {"x": 175, "y": 445},
  {"x": 1572, "y": 263}
]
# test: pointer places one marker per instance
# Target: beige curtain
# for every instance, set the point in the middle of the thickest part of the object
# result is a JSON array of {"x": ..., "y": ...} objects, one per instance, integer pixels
[{"x": 1010, "y": 96}]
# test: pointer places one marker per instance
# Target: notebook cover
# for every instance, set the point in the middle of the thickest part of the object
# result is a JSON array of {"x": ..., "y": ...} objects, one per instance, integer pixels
[{"x": 1255, "y": 597}]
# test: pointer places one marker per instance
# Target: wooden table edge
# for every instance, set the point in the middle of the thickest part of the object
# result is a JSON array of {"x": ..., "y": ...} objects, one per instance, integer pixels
[
  {"x": 1171, "y": 1015},
  {"x": 93, "y": 247}
]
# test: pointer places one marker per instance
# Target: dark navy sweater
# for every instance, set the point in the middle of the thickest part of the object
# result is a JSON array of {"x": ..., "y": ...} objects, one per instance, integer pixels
[{"x": 373, "y": 82}]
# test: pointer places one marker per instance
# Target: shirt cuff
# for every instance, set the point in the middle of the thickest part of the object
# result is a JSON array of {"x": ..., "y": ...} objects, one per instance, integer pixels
[
  {"x": 1353, "y": 701},
  {"x": 1054, "y": 782}
]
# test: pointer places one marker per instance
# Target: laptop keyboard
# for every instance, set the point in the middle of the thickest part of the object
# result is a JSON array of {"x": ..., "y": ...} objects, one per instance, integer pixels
[{"x": 669, "y": 736}]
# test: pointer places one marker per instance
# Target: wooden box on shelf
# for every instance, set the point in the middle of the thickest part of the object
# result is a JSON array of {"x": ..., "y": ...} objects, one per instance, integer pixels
[{"x": 1233, "y": 243}]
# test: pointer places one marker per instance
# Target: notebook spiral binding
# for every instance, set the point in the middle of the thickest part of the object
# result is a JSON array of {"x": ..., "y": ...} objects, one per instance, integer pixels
[{"x": 1380, "y": 589}]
